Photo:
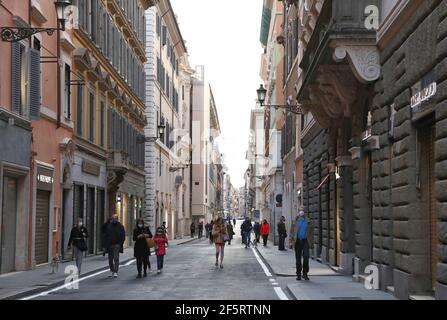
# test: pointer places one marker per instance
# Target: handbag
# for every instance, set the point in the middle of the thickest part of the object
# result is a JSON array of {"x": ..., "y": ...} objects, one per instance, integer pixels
[
  {"x": 226, "y": 237},
  {"x": 150, "y": 243}
]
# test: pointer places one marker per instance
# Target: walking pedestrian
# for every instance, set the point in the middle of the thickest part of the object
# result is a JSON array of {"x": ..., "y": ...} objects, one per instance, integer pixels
[
  {"x": 193, "y": 229},
  {"x": 282, "y": 234},
  {"x": 207, "y": 230},
  {"x": 161, "y": 242},
  {"x": 257, "y": 231},
  {"x": 78, "y": 237},
  {"x": 200, "y": 229},
  {"x": 220, "y": 235},
  {"x": 265, "y": 231},
  {"x": 211, "y": 231},
  {"x": 165, "y": 228},
  {"x": 141, "y": 249},
  {"x": 103, "y": 236},
  {"x": 234, "y": 221},
  {"x": 303, "y": 234},
  {"x": 114, "y": 239},
  {"x": 246, "y": 228},
  {"x": 230, "y": 233}
]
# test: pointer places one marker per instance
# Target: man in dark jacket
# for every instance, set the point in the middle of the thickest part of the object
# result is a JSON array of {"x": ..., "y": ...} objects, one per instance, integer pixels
[
  {"x": 103, "y": 236},
  {"x": 200, "y": 229},
  {"x": 282, "y": 234},
  {"x": 246, "y": 228},
  {"x": 257, "y": 231},
  {"x": 193, "y": 229},
  {"x": 114, "y": 240}
]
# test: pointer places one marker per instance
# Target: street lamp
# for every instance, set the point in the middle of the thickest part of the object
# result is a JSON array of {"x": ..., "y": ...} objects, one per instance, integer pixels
[
  {"x": 262, "y": 94},
  {"x": 161, "y": 130},
  {"x": 14, "y": 34}
]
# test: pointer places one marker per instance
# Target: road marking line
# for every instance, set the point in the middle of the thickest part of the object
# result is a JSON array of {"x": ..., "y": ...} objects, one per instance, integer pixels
[
  {"x": 263, "y": 266},
  {"x": 280, "y": 293},
  {"x": 275, "y": 284},
  {"x": 64, "y": 286},
  {"x": 272, "y": 280}
]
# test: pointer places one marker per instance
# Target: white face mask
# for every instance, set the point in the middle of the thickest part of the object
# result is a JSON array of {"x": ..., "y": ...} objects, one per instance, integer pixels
[
  {"x": 301, "y": 214},
  {"x": 80, "y": 224},
  {"x": 140, "y": 226}
]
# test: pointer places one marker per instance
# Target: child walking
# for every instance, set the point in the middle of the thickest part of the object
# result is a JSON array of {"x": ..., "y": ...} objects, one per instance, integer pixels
[{"x": 161, "y": 241}]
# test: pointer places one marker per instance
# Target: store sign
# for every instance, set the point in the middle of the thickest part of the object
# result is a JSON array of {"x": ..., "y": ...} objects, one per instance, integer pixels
[
  {"x": 90, "y": 168},
  {"x": 423, "y": 95},
  {"x": 44, "y": 179}
]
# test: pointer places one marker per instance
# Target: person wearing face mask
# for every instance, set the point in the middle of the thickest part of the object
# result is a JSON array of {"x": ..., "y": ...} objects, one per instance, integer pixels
[
  {"x": 141, "y": 249},
  {"x": 78, "y": 237},
  {"x": 114, "y": 240},
  {"x": 302, "y": 233}
]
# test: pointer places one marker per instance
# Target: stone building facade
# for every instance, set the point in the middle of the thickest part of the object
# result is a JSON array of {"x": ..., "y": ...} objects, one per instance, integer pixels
[{"x": 409, "y": 170}]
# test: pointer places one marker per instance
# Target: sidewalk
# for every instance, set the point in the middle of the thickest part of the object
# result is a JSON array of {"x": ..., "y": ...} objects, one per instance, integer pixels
[
  {"x": 324, "y": 284},
  {"x": 28, "y": 282}
]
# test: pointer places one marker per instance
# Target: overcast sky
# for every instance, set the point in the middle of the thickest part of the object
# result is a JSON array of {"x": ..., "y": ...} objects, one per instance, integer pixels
[{"x": 224, "y": 37}]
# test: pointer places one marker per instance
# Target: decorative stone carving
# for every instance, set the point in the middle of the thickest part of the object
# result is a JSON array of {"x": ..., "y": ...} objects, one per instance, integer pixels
[
  {"x": 355, "y": 153},
  {"x": 373, "y": 142},
  {"x": 364, "y": 60}
]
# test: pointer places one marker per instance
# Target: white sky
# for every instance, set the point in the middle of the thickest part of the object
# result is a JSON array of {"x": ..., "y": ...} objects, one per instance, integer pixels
[{"x": 224, "y": 37}]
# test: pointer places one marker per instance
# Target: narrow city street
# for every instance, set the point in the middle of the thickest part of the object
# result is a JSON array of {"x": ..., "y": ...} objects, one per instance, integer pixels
[{"x": 189, "y": 274}]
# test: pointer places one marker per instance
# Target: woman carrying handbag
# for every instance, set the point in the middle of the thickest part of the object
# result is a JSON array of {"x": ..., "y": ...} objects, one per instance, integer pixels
[
  {"x": 220, "y": 235},
  {"x": 78, "y": 237},
  {"x": 142, "y": 251}
]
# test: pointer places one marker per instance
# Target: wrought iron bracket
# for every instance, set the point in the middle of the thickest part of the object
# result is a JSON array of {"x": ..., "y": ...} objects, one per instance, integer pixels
[
  {"x": 295, "y": 109},
  {"x": 14, "y": 34}
]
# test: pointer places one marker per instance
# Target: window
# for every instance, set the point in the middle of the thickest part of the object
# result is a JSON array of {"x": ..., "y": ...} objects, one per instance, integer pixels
[
  {"x": 67, "y": 92},
  {"x": 79, "y": 107},
  {"x": 91, "y": 117},
  {"x": 102, "y": 124}
]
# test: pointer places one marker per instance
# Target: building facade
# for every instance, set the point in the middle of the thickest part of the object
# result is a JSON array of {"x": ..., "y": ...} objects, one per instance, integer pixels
[
  {"x": 168, "y": 104},
  {"x": 205, "y": 130}
]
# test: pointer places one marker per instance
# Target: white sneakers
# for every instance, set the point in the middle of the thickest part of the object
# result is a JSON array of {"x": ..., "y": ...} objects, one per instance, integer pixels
[
  {"x": 158, "y": 271},
  {"x": 115, "y": 275}
]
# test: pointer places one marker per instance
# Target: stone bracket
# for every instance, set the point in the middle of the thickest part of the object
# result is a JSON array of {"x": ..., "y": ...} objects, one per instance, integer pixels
[
  {"x": 373, "y": 142},
  {"x": 364, "y": 61},
  {"x": 355, "y": 153}
]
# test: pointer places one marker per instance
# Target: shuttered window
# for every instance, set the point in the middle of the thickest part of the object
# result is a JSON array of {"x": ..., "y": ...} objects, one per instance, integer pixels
[
  {"x": 17, "y": 67},
  {"x": 34, "y": 93},
  {"x": 67, "y": 92},
  {"x": 164, "y": 35},
  {"x": 79, "y": 109},
  {"x": 101, "y": 124},
  {"x": 92, "y": 117}
]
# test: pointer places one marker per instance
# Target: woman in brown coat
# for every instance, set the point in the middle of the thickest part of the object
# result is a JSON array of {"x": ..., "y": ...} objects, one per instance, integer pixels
[{"x": 220, "y": 235}]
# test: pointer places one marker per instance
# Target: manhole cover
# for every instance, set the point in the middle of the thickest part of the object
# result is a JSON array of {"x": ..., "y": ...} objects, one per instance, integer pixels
[{"x": 346, "y": 298}]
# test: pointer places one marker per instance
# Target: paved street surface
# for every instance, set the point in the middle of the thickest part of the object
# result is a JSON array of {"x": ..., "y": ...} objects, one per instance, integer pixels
[{"x": 189, "y": 273}]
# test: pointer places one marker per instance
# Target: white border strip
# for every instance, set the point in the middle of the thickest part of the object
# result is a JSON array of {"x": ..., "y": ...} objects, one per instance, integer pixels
[
  {"x": 280, "y": 293},
  {"x": 70, "y": 284},
  {"x": 263, "y": 266}
]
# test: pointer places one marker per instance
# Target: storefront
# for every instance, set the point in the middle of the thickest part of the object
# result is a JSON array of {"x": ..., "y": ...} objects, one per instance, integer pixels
[
  {"x": 15, "y": 158},
  {"x": 90, "y": 181},
  {"x": 42, "y": 234}
]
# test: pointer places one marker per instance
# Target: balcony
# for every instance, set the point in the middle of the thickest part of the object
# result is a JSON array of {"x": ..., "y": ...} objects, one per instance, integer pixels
[
  {"x": 341, "y": 56},
  {"x": 117, "y": 167}
]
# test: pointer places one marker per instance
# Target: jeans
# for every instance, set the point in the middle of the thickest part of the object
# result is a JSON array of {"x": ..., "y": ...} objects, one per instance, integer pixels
[
  {"x": 302, "y": 250},
  {"x": 143, "y": 262},
  {"x": 258, "y": 236},
  {"x": 160, "y": 262},
  {"x": 200, "y": 234},
  {"x": 114, "y": 257},
  {"x": 78, "y": 255},
  {"x": 282, "y": 240},
  {"x": 247, "y": 239},
  {"x": 264, "y": 239}
]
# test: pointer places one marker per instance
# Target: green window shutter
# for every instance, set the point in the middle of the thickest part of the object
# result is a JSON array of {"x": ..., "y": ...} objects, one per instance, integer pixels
[
  {"x": 265, "y": 25},
  {"x": 34, "y": 84},
  {"x": 15, "y": 77}
]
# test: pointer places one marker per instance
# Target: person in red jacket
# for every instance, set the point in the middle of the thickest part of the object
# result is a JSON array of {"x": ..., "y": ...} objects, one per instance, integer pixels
[
  {"x": 161, "y": 241},
  {"x": 265, "y": 230}
]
